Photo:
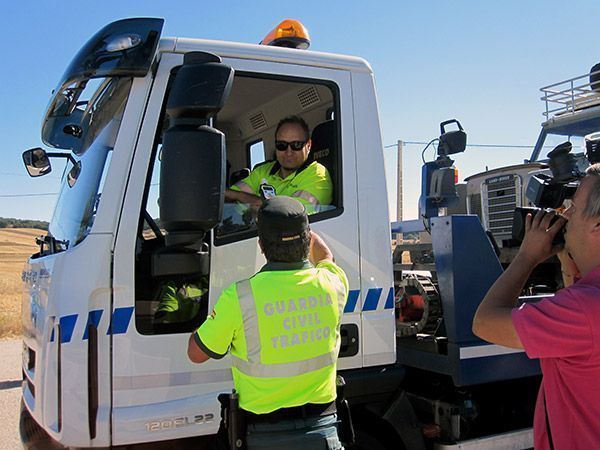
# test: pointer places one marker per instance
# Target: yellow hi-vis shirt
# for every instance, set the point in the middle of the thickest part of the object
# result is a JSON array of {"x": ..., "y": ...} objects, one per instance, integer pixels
[
  {"x": 312, "y": 185},
  {"x": 282, "y": 327}
]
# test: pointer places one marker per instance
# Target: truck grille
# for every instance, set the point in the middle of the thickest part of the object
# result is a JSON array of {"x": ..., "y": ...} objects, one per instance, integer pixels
[
  {"x": 501, "y": 195},
  {"x": 475, "y": 204}
]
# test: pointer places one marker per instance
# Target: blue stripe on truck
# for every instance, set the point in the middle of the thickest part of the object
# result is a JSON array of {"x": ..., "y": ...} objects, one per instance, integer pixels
[
  {"x": 372, "y": 299},
  {"x": 371, "y": 302},
  {"x": 93, "y": 319},
  {"x": 351, "y": 301},
  {"x": 67, "y": 325},
  {"x": 121, "y": 317},
  {"x": 389, "y": 303},
  {"x": 120, "y": 320}
]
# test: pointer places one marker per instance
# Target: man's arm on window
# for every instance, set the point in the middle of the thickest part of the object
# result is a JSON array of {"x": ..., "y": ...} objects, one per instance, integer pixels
[{"x": 242, "y": 197}]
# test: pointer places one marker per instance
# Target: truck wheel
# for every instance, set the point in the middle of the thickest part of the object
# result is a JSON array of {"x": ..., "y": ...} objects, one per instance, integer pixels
[{"x": 33, "y": 437}]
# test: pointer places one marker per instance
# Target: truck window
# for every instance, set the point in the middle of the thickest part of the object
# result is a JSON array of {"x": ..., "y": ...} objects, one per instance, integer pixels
[
  {"x": 100, "y": 120},
  {"x": 248, "y": 120},
  {"x": 256, "y": 153},
  {"x": 552, "y": 140}
]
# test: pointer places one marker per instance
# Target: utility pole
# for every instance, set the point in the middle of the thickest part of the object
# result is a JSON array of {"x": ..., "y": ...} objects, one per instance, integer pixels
[{"x": 399, "y": 181}]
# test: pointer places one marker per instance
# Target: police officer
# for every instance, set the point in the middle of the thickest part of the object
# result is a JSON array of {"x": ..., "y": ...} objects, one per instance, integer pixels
[{"x": 281, "y": 327}]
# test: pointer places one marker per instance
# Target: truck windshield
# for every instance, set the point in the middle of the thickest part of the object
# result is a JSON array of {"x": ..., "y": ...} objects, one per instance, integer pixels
[
  {"x": 83, "y": 181},
  {"x": 574, "y": 132}
]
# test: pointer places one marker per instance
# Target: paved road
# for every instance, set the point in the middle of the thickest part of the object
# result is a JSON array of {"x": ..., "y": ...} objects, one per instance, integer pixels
[{"x": 10, "y": 393}]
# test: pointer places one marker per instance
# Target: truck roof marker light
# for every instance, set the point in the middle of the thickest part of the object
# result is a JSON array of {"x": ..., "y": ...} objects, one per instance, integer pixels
[
  {"x": 289, "y": 33},
  {"x": 123, "y": 42}
]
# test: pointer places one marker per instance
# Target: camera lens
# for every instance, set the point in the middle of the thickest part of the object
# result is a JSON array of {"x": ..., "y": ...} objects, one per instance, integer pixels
[
  {"x": 592, "y": 148},
  {"x": 518, "y": 230}
]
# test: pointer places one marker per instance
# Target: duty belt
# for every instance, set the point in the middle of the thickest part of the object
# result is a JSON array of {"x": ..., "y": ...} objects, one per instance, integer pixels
[{"x": 295, "y": 412}]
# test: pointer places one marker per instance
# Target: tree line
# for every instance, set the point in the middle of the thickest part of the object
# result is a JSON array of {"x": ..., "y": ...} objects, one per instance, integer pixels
[{"x": 9, "y": 222}]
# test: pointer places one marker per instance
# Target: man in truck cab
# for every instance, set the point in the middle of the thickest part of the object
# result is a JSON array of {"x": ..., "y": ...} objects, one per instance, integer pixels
[
  {"x": 292, "y": 174},
  {"x": 563, "y": 331},
  {"x": 282, "y": 329}
]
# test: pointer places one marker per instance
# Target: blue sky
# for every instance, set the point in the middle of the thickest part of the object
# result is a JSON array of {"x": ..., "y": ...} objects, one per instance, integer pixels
[{"x": 481, "y": 62}]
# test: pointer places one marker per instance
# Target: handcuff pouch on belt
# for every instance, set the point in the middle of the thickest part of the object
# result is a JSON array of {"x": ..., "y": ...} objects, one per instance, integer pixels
[
  {"x": 345, "y": 428},
  {"x": 233, "y": 423}
]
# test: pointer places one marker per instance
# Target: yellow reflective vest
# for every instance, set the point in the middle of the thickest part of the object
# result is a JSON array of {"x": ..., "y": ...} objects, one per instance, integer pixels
[
  {"x": 282, "y": 328},
  {"x": 311, "y": 185}
]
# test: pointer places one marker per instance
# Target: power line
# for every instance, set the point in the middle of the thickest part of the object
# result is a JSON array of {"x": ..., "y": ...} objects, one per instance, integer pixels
[
  {"x": 42, "y": 193},
  {"x": 13, "y": 174},
  {"x": 468, "y": 145},
  {"x": 27, "y": 195}
]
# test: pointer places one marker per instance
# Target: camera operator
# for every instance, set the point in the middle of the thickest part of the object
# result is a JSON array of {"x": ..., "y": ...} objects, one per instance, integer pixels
[{"x": 563, "y": 331}]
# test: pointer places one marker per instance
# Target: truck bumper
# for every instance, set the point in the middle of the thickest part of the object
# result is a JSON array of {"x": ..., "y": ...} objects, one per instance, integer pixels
[{"x": 517, "y": 440}]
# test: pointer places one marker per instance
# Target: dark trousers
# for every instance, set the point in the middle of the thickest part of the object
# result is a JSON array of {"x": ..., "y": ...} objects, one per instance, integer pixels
[{"x": 295, "y": 434}]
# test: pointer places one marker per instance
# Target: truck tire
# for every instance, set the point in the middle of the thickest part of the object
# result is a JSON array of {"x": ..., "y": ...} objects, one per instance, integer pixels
[{"x": 33, "y": 436}]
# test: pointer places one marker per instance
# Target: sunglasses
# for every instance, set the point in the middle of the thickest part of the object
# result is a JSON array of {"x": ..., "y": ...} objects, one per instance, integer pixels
[{"x": 294, "y": 145}]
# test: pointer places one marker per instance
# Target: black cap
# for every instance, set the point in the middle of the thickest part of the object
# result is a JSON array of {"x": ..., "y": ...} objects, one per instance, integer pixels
[{"x": 282, "y": 219}]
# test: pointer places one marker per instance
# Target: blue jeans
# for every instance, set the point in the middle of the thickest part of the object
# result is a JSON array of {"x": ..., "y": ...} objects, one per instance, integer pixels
[{"x": 295, "y": 434}]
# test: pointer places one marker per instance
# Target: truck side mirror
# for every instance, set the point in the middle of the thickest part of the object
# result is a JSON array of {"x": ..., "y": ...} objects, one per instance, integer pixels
[
  {"x": 452, "y": 142},
  {"x": 193, "y": 152},
  {"x": 192, "y": 182},
  {"x": 37, "y": 162}
]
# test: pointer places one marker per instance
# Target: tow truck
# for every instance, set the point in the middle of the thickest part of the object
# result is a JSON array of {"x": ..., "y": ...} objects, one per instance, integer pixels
[
  {"x": 152, "y": 130},
  {"x": 571, "y": 114}
]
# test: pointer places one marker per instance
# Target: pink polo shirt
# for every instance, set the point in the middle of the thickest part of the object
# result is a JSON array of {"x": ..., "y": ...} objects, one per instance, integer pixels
[{"x": 564, "y": 333}]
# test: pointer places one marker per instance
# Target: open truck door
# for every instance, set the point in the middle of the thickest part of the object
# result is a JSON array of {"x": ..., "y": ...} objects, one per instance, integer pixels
[{"x": 169, "y": 268}]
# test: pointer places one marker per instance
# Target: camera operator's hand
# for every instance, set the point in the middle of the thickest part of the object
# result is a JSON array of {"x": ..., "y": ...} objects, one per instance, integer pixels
[{"x": 539, "y": 234}]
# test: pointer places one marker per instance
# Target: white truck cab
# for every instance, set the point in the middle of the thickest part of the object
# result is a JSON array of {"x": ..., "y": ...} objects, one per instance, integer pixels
[{"x": 99, "y": 369}]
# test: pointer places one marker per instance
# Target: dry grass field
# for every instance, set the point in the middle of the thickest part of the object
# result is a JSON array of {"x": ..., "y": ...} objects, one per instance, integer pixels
[{"x": 16, "y": 245}]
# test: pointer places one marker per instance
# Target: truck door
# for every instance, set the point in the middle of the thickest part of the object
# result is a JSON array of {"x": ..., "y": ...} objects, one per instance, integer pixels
[{"x": 158, "y": 394}]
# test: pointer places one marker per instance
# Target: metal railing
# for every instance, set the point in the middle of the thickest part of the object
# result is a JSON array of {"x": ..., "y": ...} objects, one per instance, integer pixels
[{"x": 569, "y": 96}]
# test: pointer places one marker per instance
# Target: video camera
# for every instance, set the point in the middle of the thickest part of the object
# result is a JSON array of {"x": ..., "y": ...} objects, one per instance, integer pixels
[
  {"x": 546, "y": 191},
  {"x": 549, "y": 192}
]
